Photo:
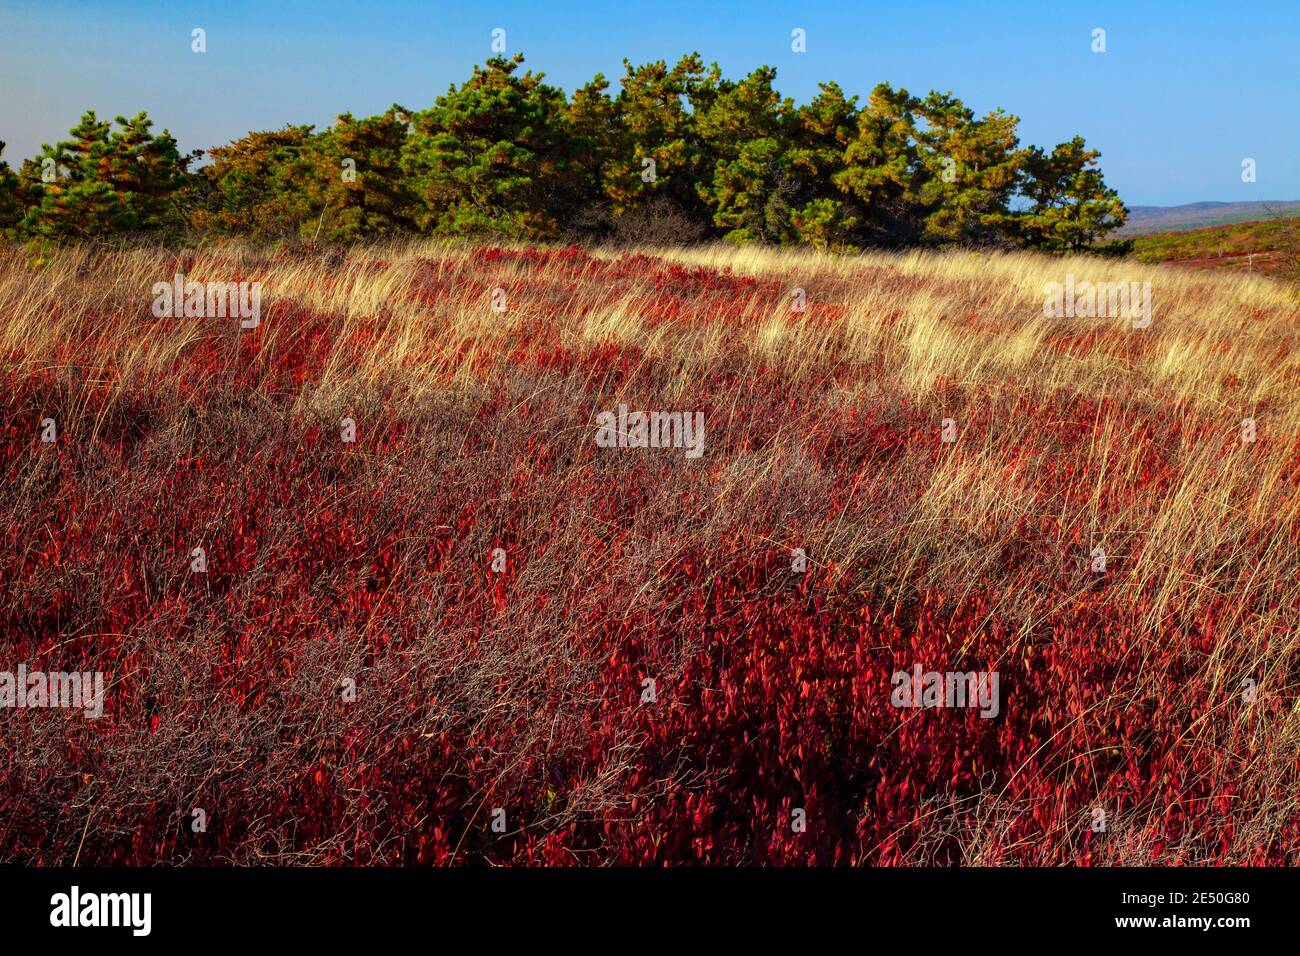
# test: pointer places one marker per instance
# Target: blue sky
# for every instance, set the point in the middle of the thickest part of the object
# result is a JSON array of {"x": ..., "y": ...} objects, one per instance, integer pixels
[{"x": 1184, "y": 92}]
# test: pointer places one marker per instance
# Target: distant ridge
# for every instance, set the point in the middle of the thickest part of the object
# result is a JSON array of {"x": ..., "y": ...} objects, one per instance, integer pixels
[{"x": 1197, "y": 215}]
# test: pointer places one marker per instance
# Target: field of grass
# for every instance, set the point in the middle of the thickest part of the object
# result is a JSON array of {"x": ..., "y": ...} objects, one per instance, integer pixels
[{"x": 475, "y": 635}]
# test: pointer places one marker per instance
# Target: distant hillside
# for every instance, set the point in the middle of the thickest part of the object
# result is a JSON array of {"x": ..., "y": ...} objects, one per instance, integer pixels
[
  {"x": 1197, "y": 215},
  {"x": 1270, "y": 245}
]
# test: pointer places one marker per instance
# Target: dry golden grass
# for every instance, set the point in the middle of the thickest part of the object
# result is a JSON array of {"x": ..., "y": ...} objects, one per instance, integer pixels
[{"x": 1073, "y": 433}]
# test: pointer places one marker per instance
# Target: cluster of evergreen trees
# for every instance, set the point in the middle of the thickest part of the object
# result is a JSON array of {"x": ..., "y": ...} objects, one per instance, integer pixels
[{"x": 678, "y": 153}]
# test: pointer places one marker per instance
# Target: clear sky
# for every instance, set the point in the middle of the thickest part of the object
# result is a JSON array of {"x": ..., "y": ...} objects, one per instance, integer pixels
[{"x": 1184, "y": 92}]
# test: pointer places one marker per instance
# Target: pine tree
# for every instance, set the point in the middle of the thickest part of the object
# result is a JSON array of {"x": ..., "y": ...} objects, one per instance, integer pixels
[
  {"x": 100, "y": 182},
  {"x": 968, "y": 170},
  {"x": 743, "y": 128},
  {"x": 1071, "y": 206},
  {"x": 10, "y": 208},
  {"x": 820, "y": 134},
  {"x": 490, "y": 157},
  {"x": 660, "y": 154},
  {"x": 77, "y": 200},
  {"x": 678, "y": 154},
  {"x": 594, "y": 130},
  {"x": 262, "y": 185},
  {"x": 880, "y": 167},
  {"x": 146, "y": 172},
  {"x": 357, "y": 178}
]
